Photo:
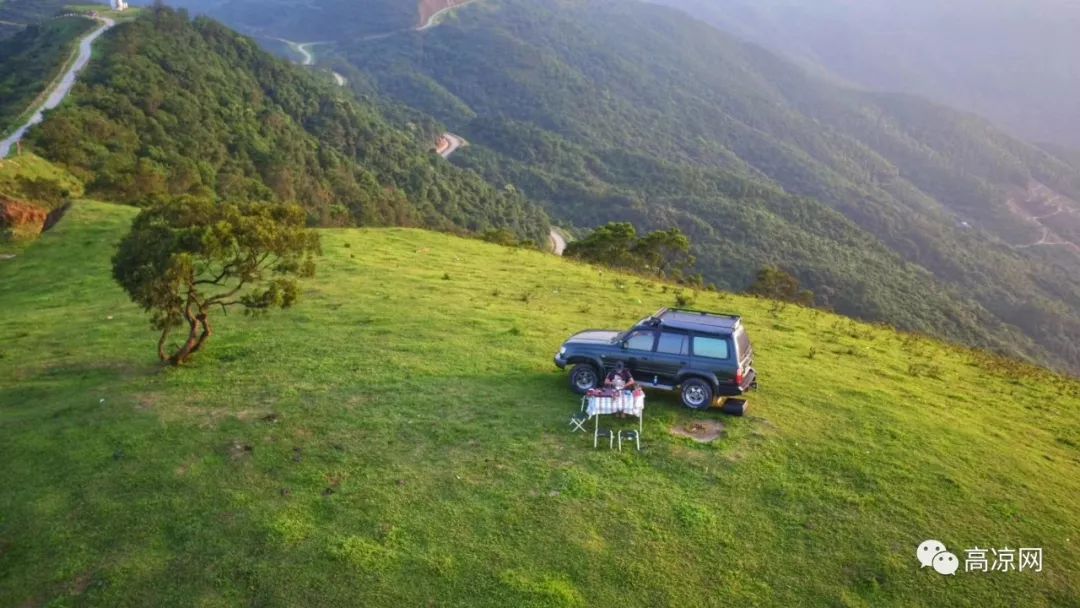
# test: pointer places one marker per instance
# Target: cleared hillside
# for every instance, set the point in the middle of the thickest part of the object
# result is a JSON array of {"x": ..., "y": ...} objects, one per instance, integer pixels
[
  {"x": 400, "y": 439},
  {"x": 607, "y": 111}
]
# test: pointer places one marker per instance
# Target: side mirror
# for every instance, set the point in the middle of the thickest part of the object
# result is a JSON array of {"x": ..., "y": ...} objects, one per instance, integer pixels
[{"x": 624, "y": 345}]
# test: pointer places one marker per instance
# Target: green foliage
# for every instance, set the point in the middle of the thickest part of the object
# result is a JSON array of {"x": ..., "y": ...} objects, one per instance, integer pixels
[
  {"x": 186, "y": 258},
  {"x": 628, "y": 111},
  {"x": 617, "y": 245},
  {"x": 683, "y": 299},
  {"x": 501, "y": 237},
  {"x": 18, "y": 15},
  {"x": 173, "y": 107},
  {"x": 309, "y": 19},
  {"x": 777, "y": 284}
]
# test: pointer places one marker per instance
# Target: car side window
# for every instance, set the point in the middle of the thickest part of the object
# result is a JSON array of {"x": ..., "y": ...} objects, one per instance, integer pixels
[
  {"x": 713, "y": 348},
  {"x": 640, "y": 340},
  {"x": 673, "y": 344}
]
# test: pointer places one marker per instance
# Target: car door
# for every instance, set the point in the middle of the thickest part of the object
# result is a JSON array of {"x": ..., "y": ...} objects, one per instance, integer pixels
[
  {"x": 671, "y": 356},
  {"x": 715, "y": 355},
  {"x": 637, "y": 347}
]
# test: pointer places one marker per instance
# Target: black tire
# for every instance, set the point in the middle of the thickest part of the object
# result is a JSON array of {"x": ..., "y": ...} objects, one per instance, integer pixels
[
  {"x": 583, "y": 378},
  {"x": 697, "y": 394}
]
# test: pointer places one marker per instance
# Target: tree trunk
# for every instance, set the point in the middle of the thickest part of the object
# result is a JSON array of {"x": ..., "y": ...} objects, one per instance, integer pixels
[
  {"x": 161, "y": 344},
  {"x": 198, "y": 332}
]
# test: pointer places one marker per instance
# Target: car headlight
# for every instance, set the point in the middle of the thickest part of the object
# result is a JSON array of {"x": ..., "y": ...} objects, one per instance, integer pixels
[{"x": 562, "y": 351}]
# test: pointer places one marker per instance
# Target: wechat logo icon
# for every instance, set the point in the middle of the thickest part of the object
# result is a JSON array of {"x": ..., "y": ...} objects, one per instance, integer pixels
[{"x": 934, "y": 554}]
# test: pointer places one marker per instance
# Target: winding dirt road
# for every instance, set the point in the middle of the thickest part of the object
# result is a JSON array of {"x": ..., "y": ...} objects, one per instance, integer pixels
[
  {"x": 309, "y": 58},
  {"x": 62, "y": 87},
  {"x": 304, "y": 48},
  {"x": 432, "y": 19},
  {"x": 448, "y": 144},
  {"x": 558, "y": 243},
  {"x": 1049, "y": 211}
]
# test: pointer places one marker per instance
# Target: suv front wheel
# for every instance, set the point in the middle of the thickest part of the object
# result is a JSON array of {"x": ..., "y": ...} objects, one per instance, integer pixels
[
  {"x": 697, "y": 394},
  {"x": 583, "y": 378}
]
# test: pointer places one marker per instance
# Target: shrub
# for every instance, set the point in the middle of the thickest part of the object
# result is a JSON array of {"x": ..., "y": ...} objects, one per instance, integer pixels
[{"x": 776, "y": 284}]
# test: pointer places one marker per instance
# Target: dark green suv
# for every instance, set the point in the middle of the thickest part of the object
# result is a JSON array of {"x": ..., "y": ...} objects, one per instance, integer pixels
[{"x": 704, "y": 355}]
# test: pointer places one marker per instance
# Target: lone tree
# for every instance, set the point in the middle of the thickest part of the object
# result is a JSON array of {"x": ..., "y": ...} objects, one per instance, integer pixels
[
  {"x": 187, "y": 257},
  {"x": 777, "y": 284},
  {"x": 617, "y": 244}
]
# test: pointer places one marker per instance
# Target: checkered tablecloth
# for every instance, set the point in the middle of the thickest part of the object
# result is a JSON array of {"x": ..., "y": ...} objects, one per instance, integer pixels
[{"x": 614, "y": 402}]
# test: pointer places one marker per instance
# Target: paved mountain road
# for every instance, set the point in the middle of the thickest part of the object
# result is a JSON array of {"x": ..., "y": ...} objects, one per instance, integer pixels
[{"x": 61, "y": 89}]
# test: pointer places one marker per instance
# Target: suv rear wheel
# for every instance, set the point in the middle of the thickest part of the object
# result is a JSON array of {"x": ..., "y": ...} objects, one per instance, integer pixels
[
  {"x": 697, "y": 394},
  {"x": 583, "y": 378}
]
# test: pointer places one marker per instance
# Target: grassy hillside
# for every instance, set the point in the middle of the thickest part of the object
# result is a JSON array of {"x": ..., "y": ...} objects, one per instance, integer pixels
[
  {"x": 614, "y": 110},
  {"x": 33, "y": 179},
  {"x": 400, "y": 439}
]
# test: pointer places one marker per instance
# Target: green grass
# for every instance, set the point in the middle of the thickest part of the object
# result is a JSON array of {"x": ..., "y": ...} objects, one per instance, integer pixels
[
  {"x": 35, "y": 169},
  {"x": 400, "y": 439},
  {"x": 28, "y": 178}
]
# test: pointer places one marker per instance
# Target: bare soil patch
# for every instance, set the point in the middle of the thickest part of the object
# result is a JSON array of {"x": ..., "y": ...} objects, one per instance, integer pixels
[{"x": 701, "y": 431}]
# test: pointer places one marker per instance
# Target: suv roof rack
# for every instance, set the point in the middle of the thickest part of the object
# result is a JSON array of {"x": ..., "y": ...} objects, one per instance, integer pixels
[
  {"x": 701, "y": 320},
  {"x": 691, "y": 311}
]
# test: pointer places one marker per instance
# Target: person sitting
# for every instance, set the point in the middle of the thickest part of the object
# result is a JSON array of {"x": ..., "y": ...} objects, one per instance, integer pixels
[{"x": 619, "y": 378}]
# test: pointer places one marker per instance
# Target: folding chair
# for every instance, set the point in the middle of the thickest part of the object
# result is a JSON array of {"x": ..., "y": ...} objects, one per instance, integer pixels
[
  {"x": 630, "y": 435},
  {"x": 606, "y": 433},
  {"x": 603, "y": 406},
  {"x": 577, "y": 422}
]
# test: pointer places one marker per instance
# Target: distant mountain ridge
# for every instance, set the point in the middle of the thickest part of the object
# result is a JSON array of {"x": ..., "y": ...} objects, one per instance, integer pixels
[
  {"x": 614, "y": 110},
  {"x": 308, "y": 20},
  {"x": 1012, "y": 61}
]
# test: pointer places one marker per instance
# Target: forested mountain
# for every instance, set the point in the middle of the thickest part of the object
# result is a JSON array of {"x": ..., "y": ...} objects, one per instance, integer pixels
[
  {"x": 1013, "y": 61},
  {"x": 173, "y": 106},
  {"x": 619, "y": 110},
  {"x": 16, "y": 15},
  {"x": 308, "y": 20},
  {"x": 31, "y": 59}
]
